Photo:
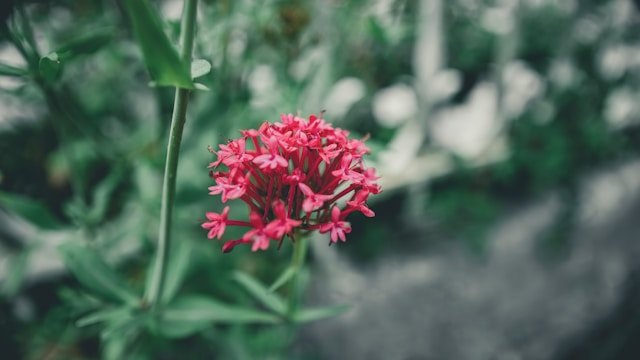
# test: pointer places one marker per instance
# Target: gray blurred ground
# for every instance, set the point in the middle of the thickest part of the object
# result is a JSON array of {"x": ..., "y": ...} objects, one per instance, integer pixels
[{"x": 511, "y": 303}]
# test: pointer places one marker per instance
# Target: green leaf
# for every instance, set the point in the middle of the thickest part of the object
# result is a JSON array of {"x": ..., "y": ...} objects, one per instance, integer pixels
[
  {"x": 123, "y": 327},
  {"x": 200, "y": 67},
  {"x": 201, "y": 87},
  {"x": 162, "y": 59},
  {"x": 119, "y": 332},
  {"x": 50, "y": 67},
  {"x": 178, "y": 266},
  {"x": 201, "y": 308},
  {"x": 79, "y": 300},
  {"x": 87, "y": 43},
  {"x": 31, "y": 210},
  {"x": 261, "y": 293},
  {"x": 377, "y": 31},
  {"x": 18, "y": 264},
  {"x": 176, "y": 270},
  {"x": 190, "y": 314},
  {"x": 8, "y": 70},
  {"x": 102, "y": 195},
  {"x": 110, "y": 314},
  {"x": 92, "y": 272},
  {"x": 114, "y": 348},
  {"x": 314, "y": 314},
  {"x": 286, "y": 275}
]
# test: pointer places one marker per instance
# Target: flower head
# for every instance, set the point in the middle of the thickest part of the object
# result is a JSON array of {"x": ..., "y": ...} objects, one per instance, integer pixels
[{"x": 291, "y": 175}]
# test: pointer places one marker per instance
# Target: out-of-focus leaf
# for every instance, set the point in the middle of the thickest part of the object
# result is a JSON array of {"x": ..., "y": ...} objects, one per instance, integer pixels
[
  {"x": 8, "y": 70},
  {"x": 200, "y": 67},
  {"x": 102, "y": 195},
  {"x": 91, "y": 215},
  {"x": 260, "y": 292},
  {"x": 201, "y": 308},
  {"x": 114, "y": 348},
  {"x": 86, "y": 43},
  {"x": 314, "y": 314},
  {"x": 147, "y": 179},
  {"x": 110, "y": 314},
  {"x": 29, "y": 209},
  {"x": 162, "y": 59},
  {"x": 50, "y": 67},
  {"x": 92, "y": 272},
  {"x": 124, "y": 326},
  {"x": 190, "y": 314},
  {"x": 201, "y": 87},
  {"x": 79, "y": 300},
  {"x": 119, "y": 331},
  {"x": 286, "y": 275},
  {"x": 18, "y": 265},
  {"x": 176, "y": 270},
  {"x": 377, "y": 32}
]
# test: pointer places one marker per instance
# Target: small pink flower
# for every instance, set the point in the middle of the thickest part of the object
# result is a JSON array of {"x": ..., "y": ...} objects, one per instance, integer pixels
[
  {"x": 329, "y": 152},
  {"x": 368, "y": 181},
  {"x": 358, "y": 203},
  {"x": 257, "y": 235},
  {"x": 282, "y": 224},
  {"x": 232, "y": 153},
  {"x": 356, "y": 147},
  {"x": 217, "y": 223},
  {"x": 231, "y": 186},
  {"x": 295, "y": 177},
  {"x": 344, "y": 172},
  {"x": 337, "y": 227},
  {"x": 312, "y": 201},
  {"x": 272, "y": 160}
]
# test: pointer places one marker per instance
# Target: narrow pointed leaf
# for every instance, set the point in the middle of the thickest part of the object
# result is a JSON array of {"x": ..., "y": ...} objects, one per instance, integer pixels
[
  {"x": 8, "y": 70},
  {"x": 114, "y": 348},
  {"x": 18, "y": 264},
  {"x": 30, "y": 210},
  {"x": 87, "y": 43},
  {"x": 190, "y": 314},
  {"x": 102, "y": 195},
  {"x": 176, "y": 270},
  {"x": 286, "y": 275},
  {"x": 111, "y": 314},
  {"x": 261, "y": 293},
  {"x": 201, "y": 87},
  {"x": 162, "y": 59},
  {"x": 123, "y": 326},
  {"x": 314, "y": 314},
  {"x": 201, "y": 308},
  {"x": 92, "y": 272}
]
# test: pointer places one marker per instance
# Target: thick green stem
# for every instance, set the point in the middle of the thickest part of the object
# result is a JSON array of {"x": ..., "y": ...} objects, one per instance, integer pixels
[
  {"x": 297, "y": 261},
  {"x": 153, "y": 293},
  {"x": 299, "y": 252}
]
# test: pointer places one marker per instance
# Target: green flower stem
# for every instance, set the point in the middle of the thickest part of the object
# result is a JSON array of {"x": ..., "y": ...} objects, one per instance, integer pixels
[
  {"x": 153, "y": 293},
  {"x": 297, "y": 262}
]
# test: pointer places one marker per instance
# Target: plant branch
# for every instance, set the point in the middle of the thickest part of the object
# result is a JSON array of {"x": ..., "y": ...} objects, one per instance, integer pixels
[{"x": 297, "y": 262}]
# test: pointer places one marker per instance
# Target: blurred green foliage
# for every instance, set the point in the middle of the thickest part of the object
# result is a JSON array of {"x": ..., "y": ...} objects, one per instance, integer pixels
[{"x": 81, "y": 160}]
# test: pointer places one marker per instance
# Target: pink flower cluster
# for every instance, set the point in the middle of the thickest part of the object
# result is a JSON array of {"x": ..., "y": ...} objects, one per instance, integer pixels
[{"x": 290, "y": 174}]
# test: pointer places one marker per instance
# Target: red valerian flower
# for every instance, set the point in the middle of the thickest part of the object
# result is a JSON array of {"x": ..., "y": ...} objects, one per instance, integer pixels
[
  {"x": 291, "y": 174},
  {"x": 337, "y": 227},
  {"x": 217, "y": 223}
]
